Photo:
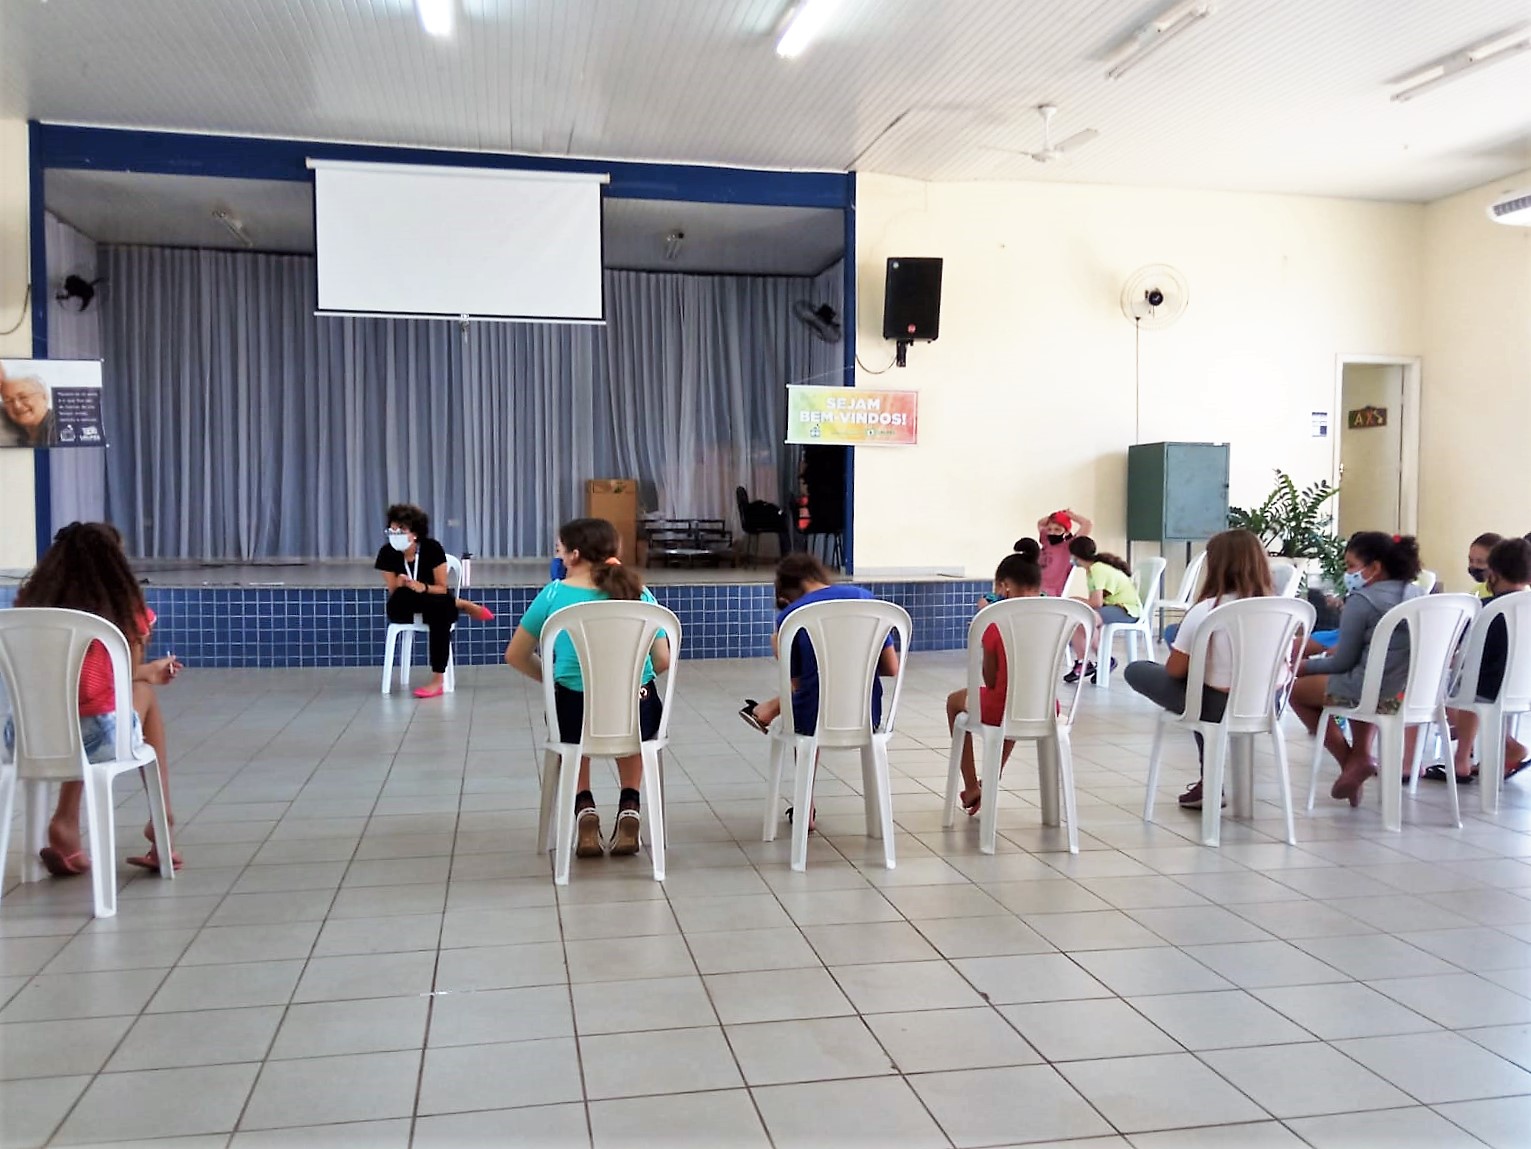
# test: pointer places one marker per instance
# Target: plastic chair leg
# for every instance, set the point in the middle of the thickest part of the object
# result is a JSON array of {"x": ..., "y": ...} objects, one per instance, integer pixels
[
  {"x": 7, "y": 804},
  {"x": 806, "y": 753},
  {"x": 549, "y": 799},
  {"x": 1212, "y": 787},
  {"x": 869, "y": 798},
  {"x": 989, "y": 742},
  {"x": 653, "y": 806},
  {"x": 164, "y": 847},
  {"x": 1491, "y": 731},
  {"x": 450, "y": 685},
  {"x": 1153, "y": 767},
  {"x": 1318, "y": 757},
  {"x": 389, "y": 643},
  {"x": 1063, "y": 752},
  {"x": 1390, "y": 772},
  {"x": 874, "y": 768},
  {"x": 779, "y": 751},
  {"x": 38, "y": 797},
  {"x": 1283, "y": 779},
  {"x": 954, "y": 770},
  {"x": 1103, "y": 657},
  {"x": 568, "y": 779},
  {"x": 406, "y": 654},
  {"x": 1047, "y": 786},
  {"x": 103, "y": 842}
]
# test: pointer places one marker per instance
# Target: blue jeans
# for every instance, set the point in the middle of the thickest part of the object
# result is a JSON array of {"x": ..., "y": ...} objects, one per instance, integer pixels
[{"x": 98, "y": 731}]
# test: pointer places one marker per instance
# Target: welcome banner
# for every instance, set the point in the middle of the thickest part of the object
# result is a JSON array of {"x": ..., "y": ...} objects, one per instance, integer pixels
[{"x": 852, "y": 417}]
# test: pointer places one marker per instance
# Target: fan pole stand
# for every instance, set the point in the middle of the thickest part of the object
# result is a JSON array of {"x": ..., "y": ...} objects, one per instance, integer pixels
[{"x": 901, "y": 353}]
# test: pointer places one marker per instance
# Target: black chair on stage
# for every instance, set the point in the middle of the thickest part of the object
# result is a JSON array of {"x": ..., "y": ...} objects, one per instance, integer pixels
[{"x": 758, "y": 517}]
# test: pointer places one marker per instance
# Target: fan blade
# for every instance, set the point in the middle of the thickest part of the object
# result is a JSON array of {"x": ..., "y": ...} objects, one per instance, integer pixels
[
  {"x": 1010, "y": 151},
  {"x": 1078, "y": 139}
]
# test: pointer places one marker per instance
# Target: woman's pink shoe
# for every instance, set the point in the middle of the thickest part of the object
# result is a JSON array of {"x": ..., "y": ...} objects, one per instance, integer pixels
[
  {"x": 479, "y": 612},
  {"x": 430, "y": 691}
]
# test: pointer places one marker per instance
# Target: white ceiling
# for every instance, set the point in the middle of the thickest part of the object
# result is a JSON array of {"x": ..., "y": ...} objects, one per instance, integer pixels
[
  {"x": 1268, "y": 95},
  {"x": 177, "y": 211}
]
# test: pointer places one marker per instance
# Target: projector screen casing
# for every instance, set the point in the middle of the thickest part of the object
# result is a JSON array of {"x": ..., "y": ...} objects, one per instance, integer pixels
[{"x": 446, "y": 242}]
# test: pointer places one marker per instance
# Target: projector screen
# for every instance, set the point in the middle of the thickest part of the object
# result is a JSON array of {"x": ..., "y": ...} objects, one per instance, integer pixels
[{"x": 428, "y": 242}]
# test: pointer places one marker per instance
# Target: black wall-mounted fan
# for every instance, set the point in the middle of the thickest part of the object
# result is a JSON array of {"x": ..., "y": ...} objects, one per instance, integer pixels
[
  {"x": 821, "y": 320},
  {"x": 77, "y": 293}
]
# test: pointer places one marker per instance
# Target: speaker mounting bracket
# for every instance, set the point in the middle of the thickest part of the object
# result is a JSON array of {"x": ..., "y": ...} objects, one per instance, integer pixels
[{"x": 901, "y": 353}]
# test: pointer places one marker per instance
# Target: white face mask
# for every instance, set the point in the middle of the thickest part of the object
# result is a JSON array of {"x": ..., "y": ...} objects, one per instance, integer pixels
[{"x": 398, "y": 540}]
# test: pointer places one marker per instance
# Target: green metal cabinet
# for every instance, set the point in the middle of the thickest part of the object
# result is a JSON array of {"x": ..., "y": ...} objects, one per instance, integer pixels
[{"x": 1176, "y": 492}]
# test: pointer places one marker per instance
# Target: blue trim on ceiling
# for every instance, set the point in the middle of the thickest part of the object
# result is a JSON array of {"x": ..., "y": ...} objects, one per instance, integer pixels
[{"x": 250, "y": 158}]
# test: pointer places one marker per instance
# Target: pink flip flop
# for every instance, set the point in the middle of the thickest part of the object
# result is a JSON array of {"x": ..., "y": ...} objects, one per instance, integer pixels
[
  {"x": 430, "y": 691},
  {"x": 62, "y": 865}
]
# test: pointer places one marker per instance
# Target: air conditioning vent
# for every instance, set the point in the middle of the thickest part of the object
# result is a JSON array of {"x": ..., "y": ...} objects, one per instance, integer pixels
[{"x": 1514, "y": 209}]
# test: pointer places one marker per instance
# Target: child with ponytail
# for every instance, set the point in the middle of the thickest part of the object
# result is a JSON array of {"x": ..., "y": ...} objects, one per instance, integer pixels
[
  {"x": 588, "y": 550},
  {"x": 1112, "y": 593}
]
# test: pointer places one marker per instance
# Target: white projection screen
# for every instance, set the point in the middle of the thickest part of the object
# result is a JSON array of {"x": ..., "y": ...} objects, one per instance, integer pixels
[{"x": 428, "y": 242}]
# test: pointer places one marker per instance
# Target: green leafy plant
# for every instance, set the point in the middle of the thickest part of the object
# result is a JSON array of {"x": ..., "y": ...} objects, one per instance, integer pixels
[{"x": 1296, "y": 523}]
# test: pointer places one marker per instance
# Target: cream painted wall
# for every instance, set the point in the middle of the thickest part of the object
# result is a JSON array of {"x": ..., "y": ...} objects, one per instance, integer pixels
[
  {"x": 1027, "y": 399},
  {"x": 1370, "y": 487},
  {"x": 18, "y": 520},
  {"x": 1476, "y": 404}
]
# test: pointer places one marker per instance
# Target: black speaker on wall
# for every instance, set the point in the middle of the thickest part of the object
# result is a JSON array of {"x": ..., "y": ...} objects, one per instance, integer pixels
[{"x": 911, "y": 308}]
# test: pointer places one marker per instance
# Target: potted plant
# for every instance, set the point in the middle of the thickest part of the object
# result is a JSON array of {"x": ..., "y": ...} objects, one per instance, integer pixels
[{"x": 1296, "y": 524}]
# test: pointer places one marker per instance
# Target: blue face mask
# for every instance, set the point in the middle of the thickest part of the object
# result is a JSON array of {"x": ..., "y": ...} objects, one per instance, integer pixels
[{"x": 1354, "y": 580}]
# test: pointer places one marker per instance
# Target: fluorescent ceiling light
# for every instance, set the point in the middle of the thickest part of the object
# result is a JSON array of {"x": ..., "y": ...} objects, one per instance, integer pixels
[
  {"x": 804, "y": 21},
  {"x": 235, "y": 227},
  {"x": 1513, "y": 209},
  {"x": 1154, "y": 35},
  {"x": 1464, "y": 63},
  {"x": 438, "y": 17}
]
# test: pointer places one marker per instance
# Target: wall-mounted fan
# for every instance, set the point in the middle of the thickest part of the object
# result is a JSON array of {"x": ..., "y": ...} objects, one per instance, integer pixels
[
  {"x": 1050, "y": 151},
  {"x": 1155, "y": 296},
  {"x": 821, "y": 320},
  {"x": 77, "y": 293}
]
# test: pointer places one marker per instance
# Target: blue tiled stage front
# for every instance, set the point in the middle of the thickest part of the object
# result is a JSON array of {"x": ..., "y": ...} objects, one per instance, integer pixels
[{"x": 342, "y": 626}]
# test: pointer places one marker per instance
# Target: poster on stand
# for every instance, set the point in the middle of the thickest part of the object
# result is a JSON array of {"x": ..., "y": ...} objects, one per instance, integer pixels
[
  {"x": 51, "y": 403},
  {"x": 852, "y": 417}
]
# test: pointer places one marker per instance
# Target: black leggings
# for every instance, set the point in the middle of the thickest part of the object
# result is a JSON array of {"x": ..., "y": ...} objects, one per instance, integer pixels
[{"x": 437, "y": 611}]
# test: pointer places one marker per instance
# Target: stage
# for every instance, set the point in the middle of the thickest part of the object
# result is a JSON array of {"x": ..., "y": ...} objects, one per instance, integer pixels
[{"x": 329, "y": 613}]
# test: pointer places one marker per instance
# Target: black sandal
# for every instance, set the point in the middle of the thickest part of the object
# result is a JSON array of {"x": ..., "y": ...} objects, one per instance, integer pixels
[
  {"x": 1436, "y": 772},
  {"x": 1516, "y": 769},
  {"x": 747, "y": 712}
]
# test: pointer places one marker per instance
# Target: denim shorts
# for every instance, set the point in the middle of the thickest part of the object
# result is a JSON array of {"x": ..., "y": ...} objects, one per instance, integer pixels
[
  {"x": 97, "y": 731},
  {"x": 1110, "y": 612}
]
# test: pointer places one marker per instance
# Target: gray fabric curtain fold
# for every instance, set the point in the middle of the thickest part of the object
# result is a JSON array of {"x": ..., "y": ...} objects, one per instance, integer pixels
[{"x": 243, "y": 426}]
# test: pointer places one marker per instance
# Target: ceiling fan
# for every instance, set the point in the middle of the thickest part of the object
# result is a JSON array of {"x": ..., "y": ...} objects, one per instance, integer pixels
[{"x": 1049, "y": 150}]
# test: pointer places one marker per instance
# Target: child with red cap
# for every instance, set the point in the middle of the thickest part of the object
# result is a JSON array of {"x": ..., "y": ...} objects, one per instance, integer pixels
[{"x": 1054, "y": 532}]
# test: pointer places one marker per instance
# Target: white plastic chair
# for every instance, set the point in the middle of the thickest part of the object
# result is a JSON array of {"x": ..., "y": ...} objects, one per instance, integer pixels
[
  {"x": 404, "y": 633},
  {"x": 1262, "y": 635},
  {"x": 1148, "y": 577},
  {"x": 1514, "y": 692},
  {"x": 1035, "y": 633},
  {"x": 1426, "y": 581},
  {"x": 1435, "y": 624},
  {"x": 41, "y": 653},
  {"x": 848, "y": 636},
  {"x": 1077, "y": 585},
  {"x": 1185, "y": 597},
  {"x": 611, "y": 638},
  {"x": 1286, "y": 578}
]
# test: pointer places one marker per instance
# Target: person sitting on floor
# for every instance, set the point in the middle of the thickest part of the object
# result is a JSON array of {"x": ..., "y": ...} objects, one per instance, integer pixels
[
  {"x": 1236, "y": 568},
  {"x": 1508, "y": 572},
  {"x": 414, "y": 567},
  {"x": 1017, "y": 577},
  {"x": 1380, "y": 571},
  {"x": 592, "y": 573},
  {"x": 85, "y": 569}
]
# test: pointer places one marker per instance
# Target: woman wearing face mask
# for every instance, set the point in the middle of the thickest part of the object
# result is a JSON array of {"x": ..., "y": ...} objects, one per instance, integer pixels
[
  {"x": 1379, "y": 574},
  {"x": 414, "y": 568},
  {"x": 1054, "y": 534},
  {"x": 1477, "y": 562}
]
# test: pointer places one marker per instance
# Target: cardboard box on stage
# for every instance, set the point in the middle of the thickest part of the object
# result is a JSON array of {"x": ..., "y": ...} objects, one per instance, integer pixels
[{"x": 616, "y": 501}]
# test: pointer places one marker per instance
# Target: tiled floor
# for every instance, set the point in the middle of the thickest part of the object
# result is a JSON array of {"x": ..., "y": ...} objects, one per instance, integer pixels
[{"x": 366, "y": 949}]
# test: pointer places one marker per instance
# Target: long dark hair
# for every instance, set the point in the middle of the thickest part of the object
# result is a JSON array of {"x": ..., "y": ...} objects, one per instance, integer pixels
[
  {"x": 1029, "y": 549},
  {"x": 1397, "y": 554},
  {"x": 1083, "y": 547},
  {"x": 793, "y": 574},
  {"x": 85, "y": 569},
  {"x": 597, "y": 542},
  {"x": 1236, "y": 565},
  {"x": 1020, "y": 571}
]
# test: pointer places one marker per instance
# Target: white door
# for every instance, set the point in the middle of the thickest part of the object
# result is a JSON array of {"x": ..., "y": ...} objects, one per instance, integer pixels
[{"x": 1371, "y": 421}]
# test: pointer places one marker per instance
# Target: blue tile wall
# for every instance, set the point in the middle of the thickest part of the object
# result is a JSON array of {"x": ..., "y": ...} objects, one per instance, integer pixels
[{"x": 327, "y": 627}]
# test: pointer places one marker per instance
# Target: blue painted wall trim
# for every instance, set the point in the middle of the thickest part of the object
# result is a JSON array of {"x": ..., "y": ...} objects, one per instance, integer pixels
[
  {"x": 849, "y": 323},
  {"x": 42, "y": 474},
  {"x": 244, "y": 157}
]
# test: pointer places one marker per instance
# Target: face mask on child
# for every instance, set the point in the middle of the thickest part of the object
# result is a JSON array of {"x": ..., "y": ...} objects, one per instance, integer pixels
[
  {"x": 1478, "y": 574},
  {"x": 398, "y": 540},
  {"x": 1354, "y": 580},
  {"x": 1056, "y": 539}
]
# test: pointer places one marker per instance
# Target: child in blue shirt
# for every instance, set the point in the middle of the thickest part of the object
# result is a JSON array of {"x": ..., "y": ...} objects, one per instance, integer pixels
[{"x": 588, "y": 550}]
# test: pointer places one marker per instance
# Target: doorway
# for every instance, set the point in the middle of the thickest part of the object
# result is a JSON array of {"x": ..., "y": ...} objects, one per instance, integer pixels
[{"x": 1377, "y": 447}]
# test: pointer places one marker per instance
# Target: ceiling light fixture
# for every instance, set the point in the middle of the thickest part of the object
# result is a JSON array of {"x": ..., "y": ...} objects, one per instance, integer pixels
[
  {"x": 1154, "y": 35},
  {"x": 803, "y": 21},
  {"x": 235, "y": 227},
  {"x": 438, "y": 17},
  {"x": 1473, "y": 58}
]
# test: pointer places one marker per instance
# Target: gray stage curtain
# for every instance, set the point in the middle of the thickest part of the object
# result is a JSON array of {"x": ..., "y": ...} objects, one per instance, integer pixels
[
  {"x": 77, "y": 474},
  {"x": 245, "y": 427}
]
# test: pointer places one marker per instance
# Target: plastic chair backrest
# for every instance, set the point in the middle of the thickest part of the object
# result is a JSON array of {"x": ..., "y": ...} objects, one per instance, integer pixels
[
  {"x": 611, "y": 638},
  {"x": 847, "y": 636},
  {"x": 1435, "y": 624},
  {"x": 41, "y": 652},
  {"x": 1262, "y": 636},
  {"x": 1190, "y": 582},
  {"x": 1515, "y": 689},
  {"x": 1285, "y": 578},
  {"x": 1034, "y": 633},
  {"x": 1426, "y": 581},
  {"x": 1148, "y": 577},
  {"x": 1077, "y": 585}
]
